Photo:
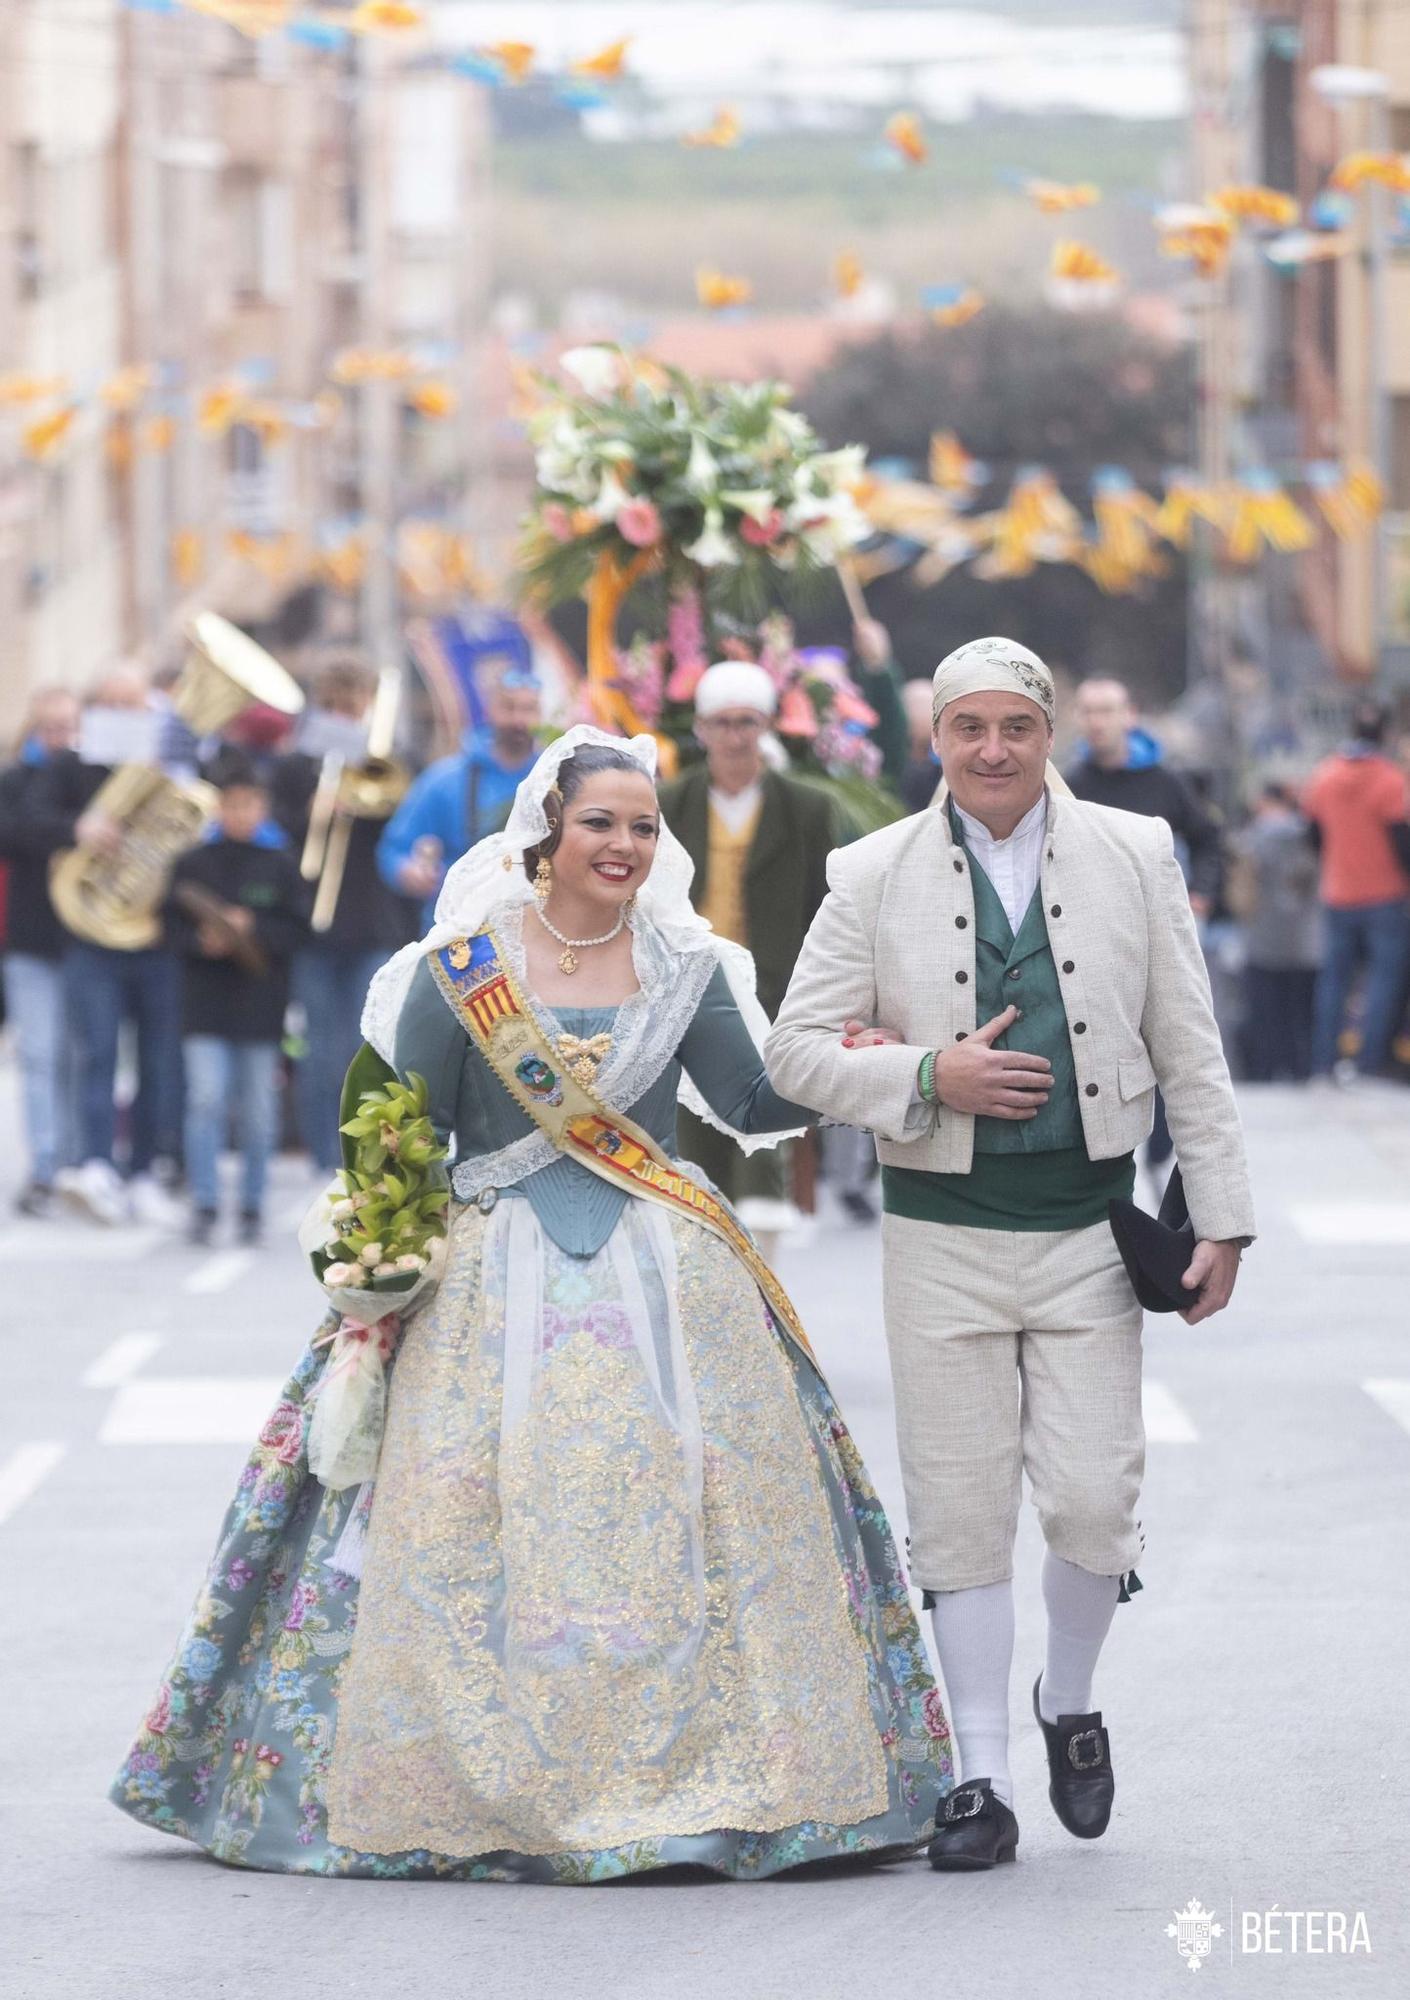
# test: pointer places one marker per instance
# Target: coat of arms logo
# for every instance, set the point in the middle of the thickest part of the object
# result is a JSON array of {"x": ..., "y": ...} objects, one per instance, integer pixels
[{"x": 1194, "y": 1931}]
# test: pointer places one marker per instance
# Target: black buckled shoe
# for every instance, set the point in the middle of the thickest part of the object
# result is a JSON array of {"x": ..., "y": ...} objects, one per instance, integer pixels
[
  {"x": 1081, "y": 1784},
  {"x": 973, "y": 1829}
]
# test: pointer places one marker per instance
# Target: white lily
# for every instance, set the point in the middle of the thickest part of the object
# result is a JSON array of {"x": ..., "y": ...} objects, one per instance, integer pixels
[
  {"x": 701, "y": 471},
  {"x": 611, "y": 498},
  {"x": 757, "y": 502},
  {"x": 713, "y": 549},
  {"x": 596, "y": 370}
]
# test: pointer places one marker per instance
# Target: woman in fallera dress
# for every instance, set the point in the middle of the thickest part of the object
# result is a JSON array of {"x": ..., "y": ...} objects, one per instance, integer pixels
[{"x": 621, "y": 1595}]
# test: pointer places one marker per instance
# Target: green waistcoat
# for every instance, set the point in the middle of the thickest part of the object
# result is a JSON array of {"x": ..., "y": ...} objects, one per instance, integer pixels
[{"x": 1029, "y": 1173}]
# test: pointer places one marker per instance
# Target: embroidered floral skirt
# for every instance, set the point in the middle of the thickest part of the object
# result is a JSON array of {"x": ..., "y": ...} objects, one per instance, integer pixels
[{"x": 621, "y": 1597}]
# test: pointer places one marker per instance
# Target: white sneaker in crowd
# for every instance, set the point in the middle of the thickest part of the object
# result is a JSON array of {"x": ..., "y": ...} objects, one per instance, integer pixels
[
  {"x": 96, "y": 1190},
  {"x": 149, "y": 1202}
]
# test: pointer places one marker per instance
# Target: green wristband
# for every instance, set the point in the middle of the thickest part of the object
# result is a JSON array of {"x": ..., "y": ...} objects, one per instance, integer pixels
[{"x": 926, "y": 1076}]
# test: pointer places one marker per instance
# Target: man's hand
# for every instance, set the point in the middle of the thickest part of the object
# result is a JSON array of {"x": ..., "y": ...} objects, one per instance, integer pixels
[
  {"x": 1213, "y": 1269},
  {"x": 420, "y": 875},
  {"x": 98, "y": 831},
  {"x": 212, "y": 943},
  {"x": 974, "y": 1076},
  {"x": 873, "y": 643}
]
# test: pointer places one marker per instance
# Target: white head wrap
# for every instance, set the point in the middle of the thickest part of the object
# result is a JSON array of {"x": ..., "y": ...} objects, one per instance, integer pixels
[
  {"x": 674, "y": 950},
  {"x": 735, "y": 684},
  {"x": 999, "y": 666}
]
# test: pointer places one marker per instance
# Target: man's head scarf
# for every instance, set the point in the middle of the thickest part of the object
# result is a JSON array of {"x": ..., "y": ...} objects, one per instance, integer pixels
[
  {"x": 993, "y": 666},
  {"x": 735, "y": 684}
]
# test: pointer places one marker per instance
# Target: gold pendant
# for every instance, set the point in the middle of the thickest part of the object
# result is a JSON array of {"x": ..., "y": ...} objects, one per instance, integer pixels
[
  {"x": 568, "y": 963},
  {"x": 582, "y": 1058}
]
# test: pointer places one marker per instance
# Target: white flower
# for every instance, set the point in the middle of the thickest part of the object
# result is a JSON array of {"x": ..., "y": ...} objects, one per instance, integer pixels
[
  {"x": 790, "y": 427},
  {"x": 341, "y": 1211},
  {"x": 563, "y": 462},
  {"x": 713, "y": 549},
  {"x": 372, "y": 1253},
  {"x": 596, "y": 370},
  {"x": 612, "y": 497},
  {"x": 836, "y": 468},
  {"x": 701, "y": 472},
  {"x": 829, "y": 524},
  {"x": 757, "y": 502},
  {"x": 340, "y": 1274},
  {"x": 411, "y": 1262},
  {"x": 385, "y": 1270}
]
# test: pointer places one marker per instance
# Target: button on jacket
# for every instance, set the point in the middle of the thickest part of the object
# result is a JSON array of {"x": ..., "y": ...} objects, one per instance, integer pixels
[{"x": 888, "y": 946}]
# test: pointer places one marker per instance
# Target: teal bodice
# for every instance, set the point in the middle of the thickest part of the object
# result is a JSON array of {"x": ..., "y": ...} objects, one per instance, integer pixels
[{"x": 470, "y": 1107}]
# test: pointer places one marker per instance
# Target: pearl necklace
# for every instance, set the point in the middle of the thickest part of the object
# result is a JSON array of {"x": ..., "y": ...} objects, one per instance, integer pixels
[{"x": 567, "y": 962}]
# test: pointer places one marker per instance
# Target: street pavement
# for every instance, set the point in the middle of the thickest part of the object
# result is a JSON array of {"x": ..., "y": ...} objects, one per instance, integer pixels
[{"x": 1255, "y": 1690}]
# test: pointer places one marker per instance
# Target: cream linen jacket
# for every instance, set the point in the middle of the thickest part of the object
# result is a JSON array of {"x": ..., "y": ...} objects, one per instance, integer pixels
[{"x": 893, "y": 944}]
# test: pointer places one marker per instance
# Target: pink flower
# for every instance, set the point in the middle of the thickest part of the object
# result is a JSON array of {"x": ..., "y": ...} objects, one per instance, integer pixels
[
  {"x": 796, "y": 714},
  {"x": 685, "y": 678},
  {"x": 159, "y": 1716},
  {"x": 933, "y": 1711},
  {"x": 639, "y": 523},
  {"x": 762, "y": 534},
  {"x": 558, "y": 521}
]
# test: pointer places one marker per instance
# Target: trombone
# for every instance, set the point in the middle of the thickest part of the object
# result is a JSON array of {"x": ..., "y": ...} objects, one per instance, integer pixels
[{"x": 347, "y": 792}]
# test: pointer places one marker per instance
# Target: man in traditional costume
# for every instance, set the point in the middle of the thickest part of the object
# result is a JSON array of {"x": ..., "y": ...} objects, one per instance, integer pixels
[
  {"x": 1034, "y": 962},
  {"x": 759, "y": 841}
]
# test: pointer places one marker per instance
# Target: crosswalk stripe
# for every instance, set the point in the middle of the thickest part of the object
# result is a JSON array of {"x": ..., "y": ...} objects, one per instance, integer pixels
[
  {"x": 197, "y": 1409},
  {"x": 1393, "y": 1397},
  {"x": 121, "y": 1360},
  {"x": 88, "y": 1245},
  {"x": 1344, "y": 1223},
  {"x": 1164, "y": 1417},
  {"x": 218, "y": 1273},
  {"x": 23, "y": 1472}
]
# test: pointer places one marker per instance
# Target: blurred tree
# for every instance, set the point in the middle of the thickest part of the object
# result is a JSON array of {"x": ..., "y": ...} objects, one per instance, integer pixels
[{"x": 1019, "y": 387}]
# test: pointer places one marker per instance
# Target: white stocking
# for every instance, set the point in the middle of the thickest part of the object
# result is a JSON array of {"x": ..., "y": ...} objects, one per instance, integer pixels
[
  {"x": 974, "y": 1638},
  {"x": 1080, "y": 1606}
]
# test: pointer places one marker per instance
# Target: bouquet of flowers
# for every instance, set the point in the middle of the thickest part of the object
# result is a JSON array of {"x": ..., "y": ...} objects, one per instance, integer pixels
[
  {"x": 645, "y": 468},
  {"x": 377, "y": 1244},
  {"x": 640, "y": 459}
]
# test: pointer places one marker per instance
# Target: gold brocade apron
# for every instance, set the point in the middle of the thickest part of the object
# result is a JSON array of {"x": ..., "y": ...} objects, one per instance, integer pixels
[{"x": 474, "y": 975}]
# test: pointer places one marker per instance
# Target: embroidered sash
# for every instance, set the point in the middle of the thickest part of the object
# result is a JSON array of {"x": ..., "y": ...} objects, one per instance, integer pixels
[{"x": 475, "y": 978}]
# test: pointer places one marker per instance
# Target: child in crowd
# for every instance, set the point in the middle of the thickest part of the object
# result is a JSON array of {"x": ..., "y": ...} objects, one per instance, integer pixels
[{"x": 235, "y": 914}]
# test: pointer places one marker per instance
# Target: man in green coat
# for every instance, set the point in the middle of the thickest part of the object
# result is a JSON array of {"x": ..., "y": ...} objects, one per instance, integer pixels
[{"x": 760, "y": 842}]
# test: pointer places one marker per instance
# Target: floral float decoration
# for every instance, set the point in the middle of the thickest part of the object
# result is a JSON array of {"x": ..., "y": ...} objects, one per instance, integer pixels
[{"x": 645, "y": 469}]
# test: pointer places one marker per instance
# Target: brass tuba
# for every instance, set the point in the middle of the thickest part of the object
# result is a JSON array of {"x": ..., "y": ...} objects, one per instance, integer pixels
[
  {"x": 114, "y": 899},
  {"x": 345, "y": 792}
]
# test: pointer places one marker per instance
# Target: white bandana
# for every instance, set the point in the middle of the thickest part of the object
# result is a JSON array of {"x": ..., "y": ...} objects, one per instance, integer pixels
[{"x": 999, "y": 666}]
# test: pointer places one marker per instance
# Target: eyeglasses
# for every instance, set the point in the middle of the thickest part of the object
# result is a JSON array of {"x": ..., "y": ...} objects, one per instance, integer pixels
[{"x": 735, "y": 725}]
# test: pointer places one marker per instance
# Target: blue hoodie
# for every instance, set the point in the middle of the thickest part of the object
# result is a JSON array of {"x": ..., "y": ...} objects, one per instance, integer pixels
[{"x": 437, "y": 807}]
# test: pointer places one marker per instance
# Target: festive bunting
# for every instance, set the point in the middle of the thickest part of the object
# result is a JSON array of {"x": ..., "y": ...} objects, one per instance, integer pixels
[
  {"x": 1079, "y": 263},
  {"x": 715, "y": 291},
  {"x": 385, "y": 17},
  {"x": 903, "y": 133},
  {"x": 516, "y": 59},
  {"x": 1348, "y": 498},
  {"x": 1057, "y": 198},
  {"x": 1261, "y": 512},
  {"x": 722, "y": 132},
  {"x": 1391, "y": 170},
  {"x": 607, "y": 64},
  {"x": 1202, "y": 235},
  {"x": 952, "y": 305},
  {"x": 1257, "y": 204},
  {"x": 43, "y": 436},
  {"x": 848, "y": 277}
]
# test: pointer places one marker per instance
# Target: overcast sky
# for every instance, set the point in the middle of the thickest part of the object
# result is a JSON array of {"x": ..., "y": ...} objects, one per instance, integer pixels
[{"x": 827, "y": 51}]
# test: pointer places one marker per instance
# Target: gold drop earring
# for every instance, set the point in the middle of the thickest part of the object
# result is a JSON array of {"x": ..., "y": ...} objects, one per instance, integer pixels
[
  {"x": 629, "y": 907},
  {"x": 543, "y": 880}
]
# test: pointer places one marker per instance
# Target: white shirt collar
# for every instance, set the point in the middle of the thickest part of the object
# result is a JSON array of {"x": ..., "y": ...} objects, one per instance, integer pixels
[{"x": 976, "y": 831}]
